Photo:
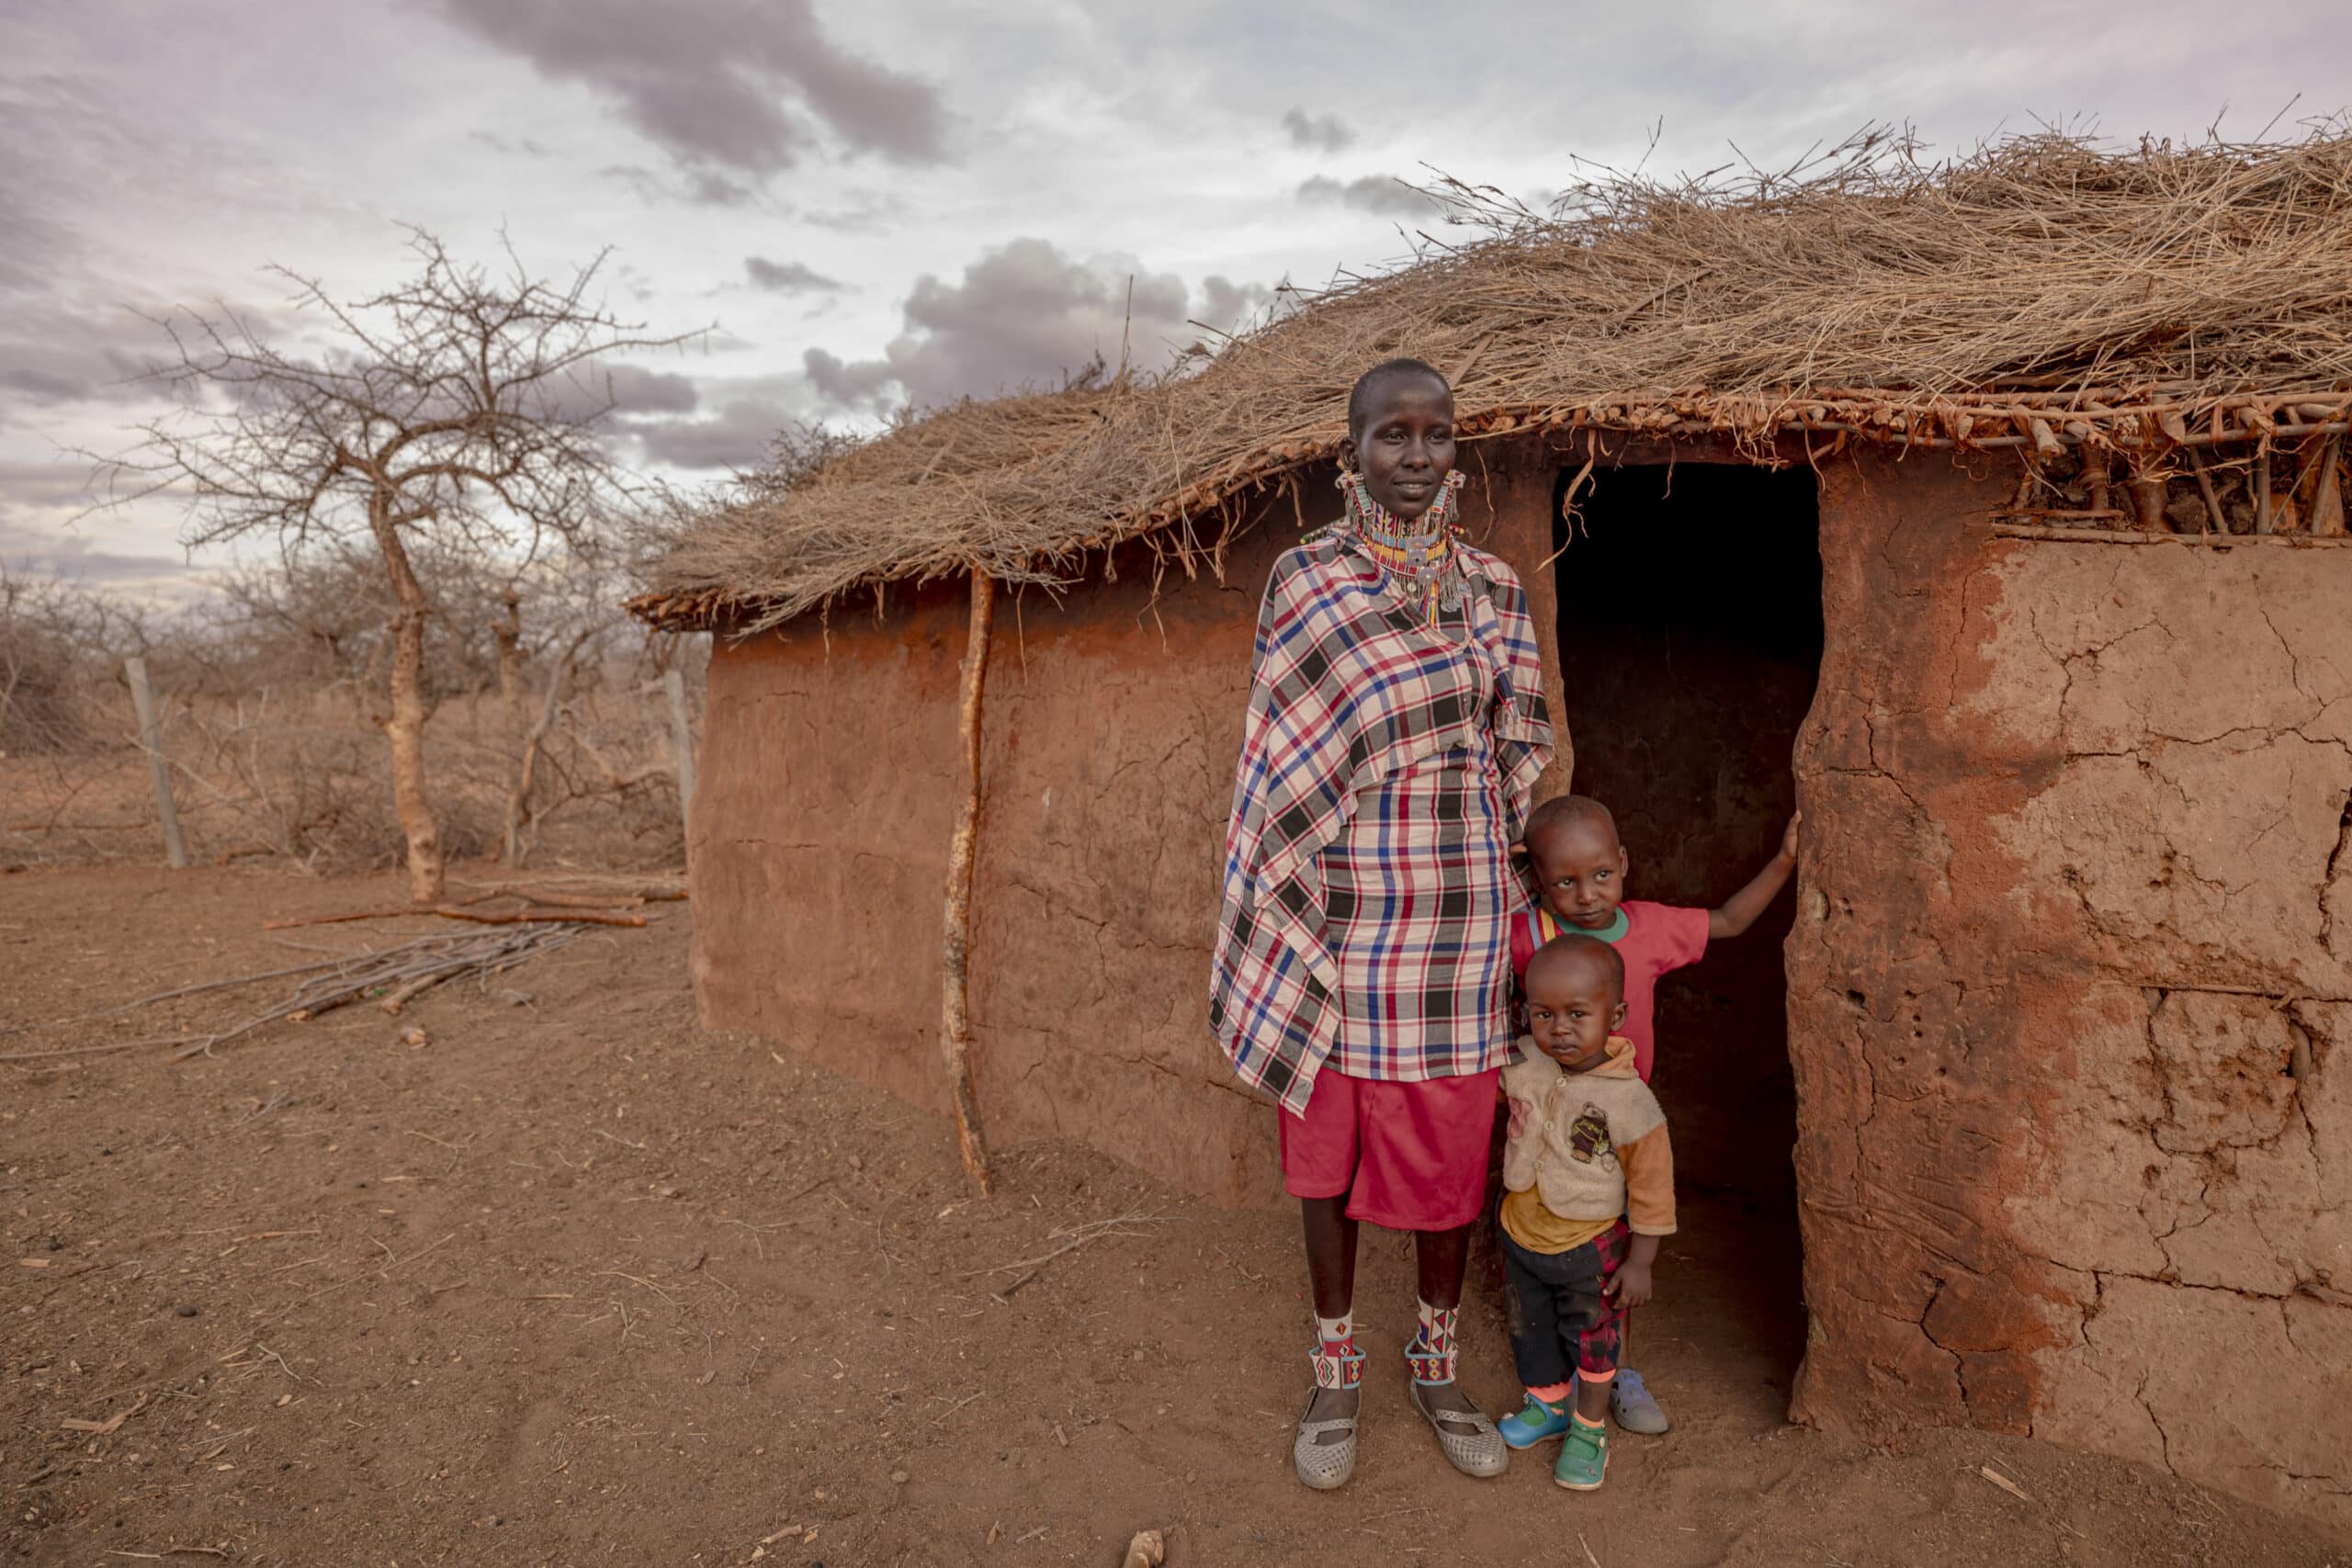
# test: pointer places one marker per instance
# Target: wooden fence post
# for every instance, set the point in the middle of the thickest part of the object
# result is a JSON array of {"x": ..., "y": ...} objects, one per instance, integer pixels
[
  {"x": 681, "y": 739},
  {"x": 955, "y": 946},
  {"x": 151, "y": 740}
]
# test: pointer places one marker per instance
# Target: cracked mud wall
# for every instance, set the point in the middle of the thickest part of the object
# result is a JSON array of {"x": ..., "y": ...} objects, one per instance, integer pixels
[
  {"x": 825, "y": 797},
  {"x": 826, "y": 792},
  {"x": 2067, "y": 987}
]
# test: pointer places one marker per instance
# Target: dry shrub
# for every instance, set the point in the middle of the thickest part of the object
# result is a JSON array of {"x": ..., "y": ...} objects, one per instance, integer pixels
[{"x": 268, "y": 699}]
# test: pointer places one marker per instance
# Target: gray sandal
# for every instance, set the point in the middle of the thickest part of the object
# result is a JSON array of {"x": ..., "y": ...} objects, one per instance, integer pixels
[
  {"x": 1481, "y": 1451},
  {"x": 1320, "y": 1464}
]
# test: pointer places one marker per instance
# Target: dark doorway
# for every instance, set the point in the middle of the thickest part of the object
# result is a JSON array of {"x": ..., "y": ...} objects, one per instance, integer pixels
[{"x": 1690, "y": 638}]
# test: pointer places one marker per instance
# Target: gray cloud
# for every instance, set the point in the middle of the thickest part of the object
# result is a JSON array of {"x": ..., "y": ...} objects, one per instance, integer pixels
[
  {"x": 636, "y": 389},
  {"x": 730, "y": 424},
  {"x": 702, "y": 187},
  {"x": 1374, "y": 193},
  {"x": 865, "y": 384},
  {"x": 43, "y": 487},
  {"x": 749, "y": 88},
  {"x": 52, "y": 352},
  {"x": 625, "y": 389},
  {"x": 788, "y": 278},
  {"x": 1324, "y": 134},
  {"x": 509, "y": 146},
  {"x": 46, "y": 550},
  {"x": 736, "y": 437},
  {"x": 1028, "y": 315},
  {"x": 1226, "y": 306},
  {"x": 865, "y": 213}
]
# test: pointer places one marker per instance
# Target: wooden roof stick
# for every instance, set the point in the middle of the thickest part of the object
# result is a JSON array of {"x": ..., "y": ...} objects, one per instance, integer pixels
[{"x": 955, "y": 945}]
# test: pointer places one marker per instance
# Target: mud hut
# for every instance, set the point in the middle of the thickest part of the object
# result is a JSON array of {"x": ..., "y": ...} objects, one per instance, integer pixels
[{"x": 1994, "y": 508}]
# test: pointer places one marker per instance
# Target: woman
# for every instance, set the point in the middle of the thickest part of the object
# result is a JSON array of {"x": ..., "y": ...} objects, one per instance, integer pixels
[{"x": 1395, "y": 728}]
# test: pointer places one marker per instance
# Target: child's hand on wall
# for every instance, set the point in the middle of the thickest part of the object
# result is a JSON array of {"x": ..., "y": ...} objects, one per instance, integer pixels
[{"x": 1789, "y": 838}]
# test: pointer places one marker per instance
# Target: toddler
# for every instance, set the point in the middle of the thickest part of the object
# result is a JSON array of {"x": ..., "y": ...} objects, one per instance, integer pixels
[
  {"x": 1589, "y": 1188},
  {"x": 1579, "y": 870}
]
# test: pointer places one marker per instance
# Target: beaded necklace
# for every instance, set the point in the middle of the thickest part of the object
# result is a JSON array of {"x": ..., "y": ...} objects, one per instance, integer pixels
[{"x": 1418, "y": 555}]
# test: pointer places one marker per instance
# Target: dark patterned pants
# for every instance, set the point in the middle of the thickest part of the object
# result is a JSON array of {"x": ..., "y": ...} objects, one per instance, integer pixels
[{"x": 1561, "y": 1323}]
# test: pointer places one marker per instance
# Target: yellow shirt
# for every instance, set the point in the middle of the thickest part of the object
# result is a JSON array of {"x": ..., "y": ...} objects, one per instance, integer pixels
[{"x": 1527, "y": 1222}]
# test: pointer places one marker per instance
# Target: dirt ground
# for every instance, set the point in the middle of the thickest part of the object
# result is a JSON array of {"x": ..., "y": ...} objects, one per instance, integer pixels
[{"x": 576, "y": 1281}]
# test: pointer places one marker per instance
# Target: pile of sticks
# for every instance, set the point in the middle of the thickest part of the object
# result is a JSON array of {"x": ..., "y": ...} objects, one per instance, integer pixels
[
  {"x": 539, "y": 905},
  {"x": 391, "y": 977}
]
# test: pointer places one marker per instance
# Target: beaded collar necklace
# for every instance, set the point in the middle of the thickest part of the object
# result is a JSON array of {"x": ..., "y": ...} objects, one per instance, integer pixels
[{"x": 1418, "y": 555}]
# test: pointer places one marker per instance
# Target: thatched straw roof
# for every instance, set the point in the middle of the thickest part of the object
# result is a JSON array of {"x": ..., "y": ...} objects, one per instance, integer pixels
[{"x": 2038, "y": 293}]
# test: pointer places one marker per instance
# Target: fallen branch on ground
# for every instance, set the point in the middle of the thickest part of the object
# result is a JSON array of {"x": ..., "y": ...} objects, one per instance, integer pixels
[
  {"x": 455, "y": 912},
  {"x": 634, "y": 887},
  {"x": 403, "y": 971}
]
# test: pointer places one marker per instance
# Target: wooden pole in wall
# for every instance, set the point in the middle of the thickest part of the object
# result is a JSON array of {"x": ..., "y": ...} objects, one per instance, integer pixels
[
  {"x": 2327, "y": 496},
  {"x": 955, "y": 947},
  {"x": 151, "y": 740},
  {"x": 681, "y": 739}
]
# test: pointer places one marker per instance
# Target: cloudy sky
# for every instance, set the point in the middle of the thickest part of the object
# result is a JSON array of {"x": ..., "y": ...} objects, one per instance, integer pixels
[{"x": 882, "y": 202}]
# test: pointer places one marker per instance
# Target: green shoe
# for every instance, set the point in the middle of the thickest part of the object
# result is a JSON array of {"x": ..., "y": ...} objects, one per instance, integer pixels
[{"x": 1584, "y": 1458}]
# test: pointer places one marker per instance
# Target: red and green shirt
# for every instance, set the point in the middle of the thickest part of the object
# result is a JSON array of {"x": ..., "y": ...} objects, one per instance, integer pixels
[{"x": 1653, "y": 940}]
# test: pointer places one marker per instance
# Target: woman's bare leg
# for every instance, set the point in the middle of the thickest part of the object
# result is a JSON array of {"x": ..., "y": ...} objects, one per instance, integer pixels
[
  {"x": 1330, "y": 1254},
  {"x": 1331, "y": 1280},
  {"x": 1441, "y": 1259}
]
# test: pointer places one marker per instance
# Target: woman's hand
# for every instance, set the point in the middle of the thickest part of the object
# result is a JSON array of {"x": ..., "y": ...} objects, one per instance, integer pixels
[{"x": 1630, "y": 1286}]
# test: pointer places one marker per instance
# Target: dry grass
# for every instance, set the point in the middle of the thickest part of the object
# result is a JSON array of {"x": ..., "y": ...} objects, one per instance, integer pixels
[{"x": 2043, "y": 293}]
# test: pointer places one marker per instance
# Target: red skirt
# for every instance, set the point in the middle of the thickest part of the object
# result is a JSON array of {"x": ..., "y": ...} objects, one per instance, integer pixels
[{"x": 1411, "y": 1156}]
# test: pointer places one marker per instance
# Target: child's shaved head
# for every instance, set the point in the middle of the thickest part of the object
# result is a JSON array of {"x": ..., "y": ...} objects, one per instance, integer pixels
[
  {"x": 1580, "y": 962},
  {"x": 1569, "y": 810}
]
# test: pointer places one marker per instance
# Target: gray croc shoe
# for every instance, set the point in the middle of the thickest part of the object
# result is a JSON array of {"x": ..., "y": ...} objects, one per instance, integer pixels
[
  {"x": 1480, "y": 1452},
  {"x": 1630, "y": 1402},
  {"x": 1324, "y": 1453},
  {"x": 1320, "y": 1464}
]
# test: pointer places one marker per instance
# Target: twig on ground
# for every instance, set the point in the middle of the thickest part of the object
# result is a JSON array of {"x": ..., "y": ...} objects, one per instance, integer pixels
[
  {"x": 951, "y": 1410},
  {"x": 458, "y": 912},
  {"x": 1079, "y": 1236},
  {"x": 1004, "y": 1296},
  {"x": 2004, "y": 1482}
]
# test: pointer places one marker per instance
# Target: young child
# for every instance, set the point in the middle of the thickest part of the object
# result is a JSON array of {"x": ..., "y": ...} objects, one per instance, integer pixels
[
  {"x": 1579, "y": 869},
  {"x": 1589, "y": 1180}
]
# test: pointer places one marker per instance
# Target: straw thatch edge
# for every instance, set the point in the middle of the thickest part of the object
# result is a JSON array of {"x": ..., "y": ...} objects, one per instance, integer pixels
[{"x": 2045, "y": 295}]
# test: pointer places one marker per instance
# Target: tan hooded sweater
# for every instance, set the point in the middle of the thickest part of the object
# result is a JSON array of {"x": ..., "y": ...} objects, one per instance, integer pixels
[{"x": 1584, "y": 1148}]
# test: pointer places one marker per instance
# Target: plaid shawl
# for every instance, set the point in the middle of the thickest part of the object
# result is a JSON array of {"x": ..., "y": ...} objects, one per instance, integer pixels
[{"x": 1347, "y": 683}]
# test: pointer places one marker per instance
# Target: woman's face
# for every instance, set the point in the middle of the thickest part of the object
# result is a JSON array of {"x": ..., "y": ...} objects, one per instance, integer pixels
[{"x": 1405, "y": 448}]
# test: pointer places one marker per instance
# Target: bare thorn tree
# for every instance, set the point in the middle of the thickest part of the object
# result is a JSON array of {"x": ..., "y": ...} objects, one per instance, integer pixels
[{"x": 456, "y": 411}]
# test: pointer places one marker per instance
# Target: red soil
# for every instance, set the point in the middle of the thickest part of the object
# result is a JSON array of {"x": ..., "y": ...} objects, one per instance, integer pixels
[{"x": 577, "y": 1282}]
